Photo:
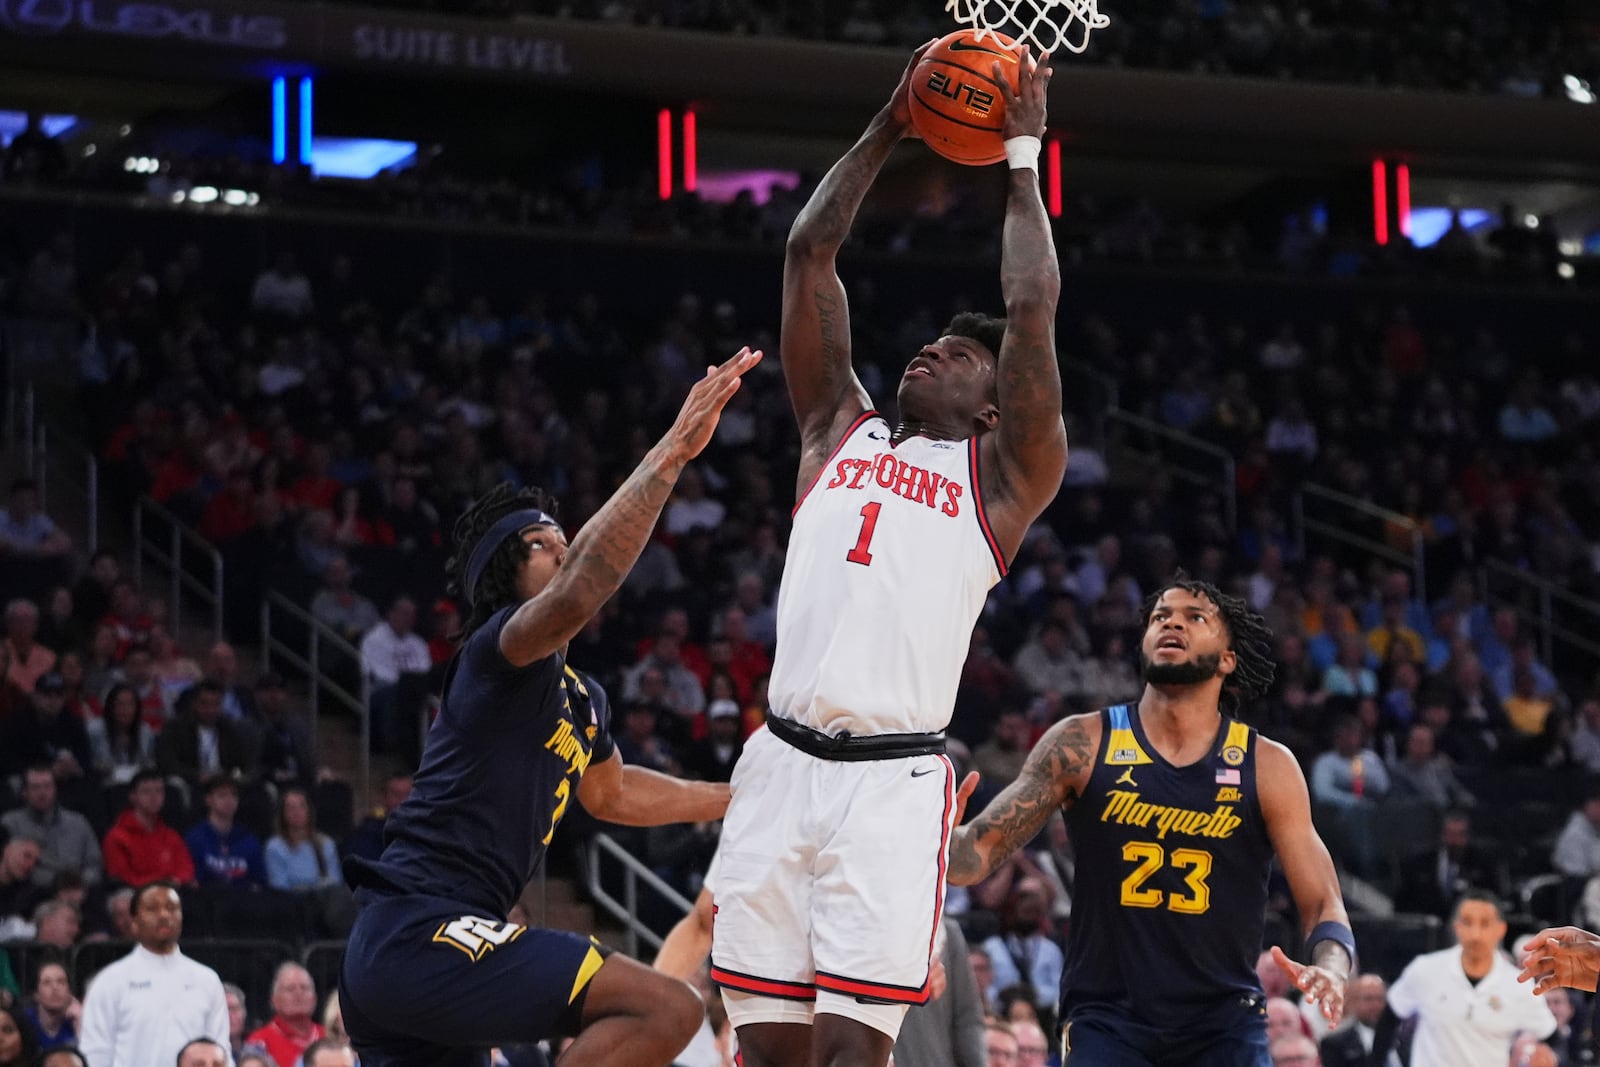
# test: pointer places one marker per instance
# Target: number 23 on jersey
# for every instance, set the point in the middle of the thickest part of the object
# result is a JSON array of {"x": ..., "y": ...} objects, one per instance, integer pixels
[{"x": 1148, "y": 858}]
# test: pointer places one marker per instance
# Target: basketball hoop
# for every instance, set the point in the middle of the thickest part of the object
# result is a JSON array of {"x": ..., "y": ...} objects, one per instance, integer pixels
[{"x": 1048, "y": 25}]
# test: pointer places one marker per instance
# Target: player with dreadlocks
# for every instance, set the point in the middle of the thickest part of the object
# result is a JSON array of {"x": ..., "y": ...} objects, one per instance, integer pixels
[
  {"x": 1175, "y": 808},
  {"x": 433, "y": 972}
]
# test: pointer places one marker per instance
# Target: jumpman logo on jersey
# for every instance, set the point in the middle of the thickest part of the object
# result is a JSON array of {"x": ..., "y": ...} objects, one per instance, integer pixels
[{"x": 1127, "y": 779}]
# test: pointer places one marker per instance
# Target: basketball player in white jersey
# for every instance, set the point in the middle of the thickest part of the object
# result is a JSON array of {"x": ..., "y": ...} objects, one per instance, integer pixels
[{"x": 833, "y": 853}]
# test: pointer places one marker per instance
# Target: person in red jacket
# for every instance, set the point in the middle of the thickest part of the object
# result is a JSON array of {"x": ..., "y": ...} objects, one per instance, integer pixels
[
  {"x": 140, "y": 848},
  {"x": 291, "y": 1030}
]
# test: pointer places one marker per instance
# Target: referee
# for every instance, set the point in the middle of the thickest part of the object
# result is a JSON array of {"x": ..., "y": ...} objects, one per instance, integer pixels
[{"x": 1467, "y": 1001}]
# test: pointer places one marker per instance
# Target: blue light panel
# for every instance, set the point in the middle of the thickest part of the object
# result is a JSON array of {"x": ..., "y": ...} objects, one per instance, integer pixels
[{"x": 359, "y": 157}]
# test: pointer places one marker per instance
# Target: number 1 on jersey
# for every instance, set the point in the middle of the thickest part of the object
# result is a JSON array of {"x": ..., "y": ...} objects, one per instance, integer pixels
[{"x": 869, "y": 521}]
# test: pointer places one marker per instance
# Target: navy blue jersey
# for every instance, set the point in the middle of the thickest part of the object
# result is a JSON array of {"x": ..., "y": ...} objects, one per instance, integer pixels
[
  {"x": 501, "y": 764},
  {"x": 1170, "y": 903}
]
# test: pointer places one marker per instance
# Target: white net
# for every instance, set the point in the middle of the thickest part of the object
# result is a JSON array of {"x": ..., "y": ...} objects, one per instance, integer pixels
[{"x": 1048, "y": 25}]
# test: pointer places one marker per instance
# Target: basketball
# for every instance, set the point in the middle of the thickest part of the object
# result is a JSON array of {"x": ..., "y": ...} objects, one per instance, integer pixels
[{"x": 956, "y": 105}]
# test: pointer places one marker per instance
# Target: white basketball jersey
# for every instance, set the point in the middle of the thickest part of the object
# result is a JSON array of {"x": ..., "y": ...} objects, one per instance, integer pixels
[{"x": 889, "y": 564}]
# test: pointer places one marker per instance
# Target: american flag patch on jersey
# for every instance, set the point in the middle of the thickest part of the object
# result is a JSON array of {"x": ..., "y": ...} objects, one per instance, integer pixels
[{"x": 1227, "y": 776}]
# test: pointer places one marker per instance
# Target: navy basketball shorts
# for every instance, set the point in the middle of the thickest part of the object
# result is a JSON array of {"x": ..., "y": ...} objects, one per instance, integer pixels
[
  {"x": 1099, "y": 1035},
  {"x": 425, "y": 983}
]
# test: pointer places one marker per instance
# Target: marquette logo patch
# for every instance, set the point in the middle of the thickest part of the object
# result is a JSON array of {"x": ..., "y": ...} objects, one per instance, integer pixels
[
  {"x": 1228, "y": 795},
  {"x": 1233, "y": 755},
  {"x": 1127, "y": 809}
]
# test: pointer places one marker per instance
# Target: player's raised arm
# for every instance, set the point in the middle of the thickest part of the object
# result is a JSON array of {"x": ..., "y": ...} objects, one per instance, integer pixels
[
  {"x": 1030, "y": 439},
  {"x": 1053, "y": 777},
  {"x": 1286, "y": 806},
  {"x": 610, "y": 543},
  {"x": 814, "y": 340}
]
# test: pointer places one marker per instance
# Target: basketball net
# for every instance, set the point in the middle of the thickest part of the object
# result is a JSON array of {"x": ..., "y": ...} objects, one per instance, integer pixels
[{"x": 1049, "y": 25}]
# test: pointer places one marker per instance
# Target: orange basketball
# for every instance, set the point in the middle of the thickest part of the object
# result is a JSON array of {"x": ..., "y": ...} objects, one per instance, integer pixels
[{"x": 955, "y": 102}]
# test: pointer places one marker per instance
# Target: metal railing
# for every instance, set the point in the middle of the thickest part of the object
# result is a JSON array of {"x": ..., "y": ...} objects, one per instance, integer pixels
[
  {"x": 1361, "y": 524},
  {"x": 320, "y": 637},
  {"x": 1556, "y": 615},
  {"x": 626, "y": 910},
  {"x": 179, "y": 546},
  {"x": 1157, "y": 438}
]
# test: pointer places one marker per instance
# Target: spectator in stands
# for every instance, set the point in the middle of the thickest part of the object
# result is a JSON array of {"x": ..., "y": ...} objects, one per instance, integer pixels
[
  {"x": 1000, "y": 1045},
  {"x": 91, "y": 597},
  {"x": 948, "y": 1029},
  {"x": 1392, "y": 631},
  {"x": 760, "y": 617},
  {"x": 203, "y": 1052},
  {"x": 121, "y": 743},
  {"x": 1351, "y": 1043},
  {"x": 54, "y": 1012},
  {"x": 56, "y": 923},
  {"x": 222, "y": 668},
  {"x": 143, "y": 1009},
  {"x": 1466, "y": 999},
  {"x": 1294, "y": 1050},
  {"x": 1000, "y": 758},
  {"x": 67, "y": 838},
  {"x": 59, "y": 627},
  {"x": 28, "y": 535},
  {"x": 366, "y": 840},
  {"x": 284, "y": 755},
  {"x": 199, "y": 742},
  {"x": 119, "y": 914},
  {"x": 1524, "y": 419},
  {"x": 18, "y": 1045},
  {"x": 174, "y": 672},
  {"x": 139, "y": 674},
  {"x": 640, "y": 741},
  {"x": 1348, "y": 675},
  {"x": 1585, "y": 741},
  {"x": 302, "y": 860},
  {"x": 712, "y": 758},
  {"x": 291, "y": 1030},
  {"x": 238, "y": 1018},
  {"x": 681, "y": 690},
  {"x": 18, "y": 894},
  {"x": 396, "y": 659},
  {"x": 1431, "y": 881},
  {"x": 30, "y": 660},
  {"x": 1047, "y": 663},
  {"x": 141, "y": 848},
  {"x": 1422, "y": 774},
  {"x": 340, "y": 607},
  {"x": 225, "y": 853},
  {"x": 1349, "y": 776},
  {"x": 282, "y": 295},
  {"x": 1577, "y": 849},
  {"x": 1022, "y": 952},
  {"x": 691, "y": 508},
  {"x": 330, "y": 1052},
  {"x": 48, "y": 735}
]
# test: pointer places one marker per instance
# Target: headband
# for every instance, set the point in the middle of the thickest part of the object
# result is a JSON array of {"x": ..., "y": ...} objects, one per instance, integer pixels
[{"x": 496, "y": 536}]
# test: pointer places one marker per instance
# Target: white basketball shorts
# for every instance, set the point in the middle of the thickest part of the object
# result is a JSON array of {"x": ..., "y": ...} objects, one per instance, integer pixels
[{"x": 829, "y": 884}]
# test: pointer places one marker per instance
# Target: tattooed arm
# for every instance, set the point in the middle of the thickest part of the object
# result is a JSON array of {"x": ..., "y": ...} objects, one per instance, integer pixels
[
  {"x": 814, "y": 339},
  {"x": 1027, "y": 453},
  {"x": 1055, "y": 775},
  {"x": 606, "y": 550}
]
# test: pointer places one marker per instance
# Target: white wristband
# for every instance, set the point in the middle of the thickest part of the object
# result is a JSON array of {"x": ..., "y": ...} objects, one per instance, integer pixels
[{"x": 1022, "y": 153}]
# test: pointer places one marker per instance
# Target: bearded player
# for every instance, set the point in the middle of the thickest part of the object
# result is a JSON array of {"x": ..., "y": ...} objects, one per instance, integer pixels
[
  {"x": 1175, "y": 809},
  {"x": 833, "y": 854}
]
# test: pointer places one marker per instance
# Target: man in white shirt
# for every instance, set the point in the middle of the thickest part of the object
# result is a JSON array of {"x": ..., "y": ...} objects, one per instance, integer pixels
[
  {"x": 142, "y": 1010},
  {"x": 391, "y": 654},
  {"x": 1467, "y": 1000},
  {"x": 1577, "y": 851}
]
